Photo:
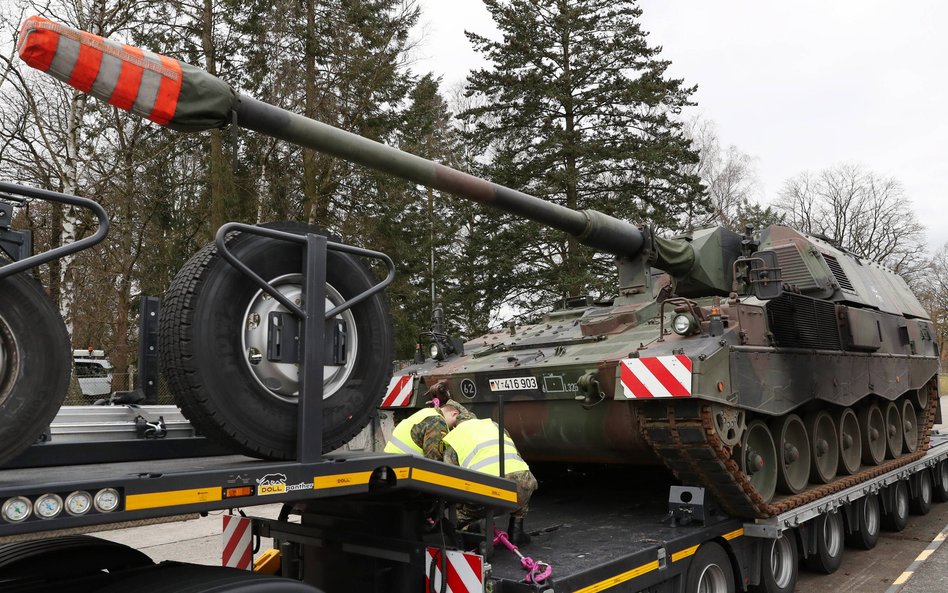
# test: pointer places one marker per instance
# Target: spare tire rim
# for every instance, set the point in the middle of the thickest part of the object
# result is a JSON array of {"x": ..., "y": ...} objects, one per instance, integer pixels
[
  {"x": 282, "y": 378},
  {"x": 8, "y": 360}
]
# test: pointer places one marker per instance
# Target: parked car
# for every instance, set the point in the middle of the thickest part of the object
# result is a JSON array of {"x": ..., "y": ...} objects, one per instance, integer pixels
[{"x": 94, "y": 373}]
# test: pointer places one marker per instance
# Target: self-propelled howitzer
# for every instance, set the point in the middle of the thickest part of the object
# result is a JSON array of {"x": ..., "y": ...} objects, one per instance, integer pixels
[{"x": 749, "y": 364}]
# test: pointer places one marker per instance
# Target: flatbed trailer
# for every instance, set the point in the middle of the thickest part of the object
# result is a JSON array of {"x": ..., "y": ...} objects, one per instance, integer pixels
[{"x": 365, "y": 523}]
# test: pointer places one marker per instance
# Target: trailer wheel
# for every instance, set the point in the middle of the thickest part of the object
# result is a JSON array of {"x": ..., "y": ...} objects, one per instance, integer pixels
[
  {"x": 830, "y": 534},
  {"x": 213, "y": 346},
  {"x": 921, "y": 501},
  {"x": 779, "y": 565},
  {"x": 174, "y": 577},
  {"x": 865, "y": 533},
  {"x": 895, "y": 517},
  {"x": 35, "y": 363},
  {"x": 65, "y": 558},
  {"x": 940, "y": 486},
  {"x": 710, "y": 571}
]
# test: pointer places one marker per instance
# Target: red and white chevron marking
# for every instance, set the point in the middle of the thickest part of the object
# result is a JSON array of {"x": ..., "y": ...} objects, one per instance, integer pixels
[
  {"x": 658, "y": 376},
  {"x": 398, "y": 393},
  {"x": 465, "y": 571},
  {"x": 237, "y": 542}
]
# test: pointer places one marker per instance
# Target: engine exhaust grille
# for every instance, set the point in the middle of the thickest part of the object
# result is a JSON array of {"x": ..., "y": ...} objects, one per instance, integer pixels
[
  {"x": 839, "y": 274},
  {"x": 798, "y": 321}
]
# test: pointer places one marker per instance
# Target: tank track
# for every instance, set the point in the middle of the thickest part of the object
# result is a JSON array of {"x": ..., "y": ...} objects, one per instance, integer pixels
[{"x": 682, "y": 434}]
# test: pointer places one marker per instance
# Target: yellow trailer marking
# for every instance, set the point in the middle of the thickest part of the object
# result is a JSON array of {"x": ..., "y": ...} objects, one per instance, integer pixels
[
  {"x": 341, "y": 480},
  {"x": 154, "y": 500},
  {"x": 620, "y": 578},
  {"x": 465, "y": 485},
  {"x": 684, "y": 553}
]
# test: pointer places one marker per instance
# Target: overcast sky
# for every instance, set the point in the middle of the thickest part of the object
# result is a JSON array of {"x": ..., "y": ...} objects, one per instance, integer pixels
[{"x": 800, "y": 85}]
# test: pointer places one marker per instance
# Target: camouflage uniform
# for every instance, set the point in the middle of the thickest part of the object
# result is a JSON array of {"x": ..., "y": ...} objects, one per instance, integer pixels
[
  {"x": 525, "y": 481},
  {"x": 429, "y": 435}
]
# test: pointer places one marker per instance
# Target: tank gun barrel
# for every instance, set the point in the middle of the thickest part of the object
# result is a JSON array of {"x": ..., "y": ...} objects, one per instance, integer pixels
[
  {"x": 187, "y": 98},
  {"x": 590, "y": 227}
]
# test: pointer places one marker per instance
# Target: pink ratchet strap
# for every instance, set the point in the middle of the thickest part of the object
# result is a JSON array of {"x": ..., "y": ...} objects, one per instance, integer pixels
[{"x": 537, "y": 571}]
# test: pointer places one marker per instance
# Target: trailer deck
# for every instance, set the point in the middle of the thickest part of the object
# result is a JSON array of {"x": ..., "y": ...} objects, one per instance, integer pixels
[
  {"x": 601, "y": 531},
  {"x": 157, "y": 488}
]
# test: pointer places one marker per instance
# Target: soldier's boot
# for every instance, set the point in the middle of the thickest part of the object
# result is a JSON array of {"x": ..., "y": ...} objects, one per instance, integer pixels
[{"x": 516, "y": 533}]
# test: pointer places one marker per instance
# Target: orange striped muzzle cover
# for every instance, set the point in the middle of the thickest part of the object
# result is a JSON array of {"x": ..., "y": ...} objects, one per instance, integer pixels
[{"x": 127, "y": 77}]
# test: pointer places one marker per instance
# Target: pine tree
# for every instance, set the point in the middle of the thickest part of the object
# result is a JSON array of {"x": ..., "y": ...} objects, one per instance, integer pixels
[{"x": 577, "y": 109}]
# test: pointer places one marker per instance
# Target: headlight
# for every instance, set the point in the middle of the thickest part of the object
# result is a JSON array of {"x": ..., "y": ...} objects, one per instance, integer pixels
[
  {"x": 434, "y": 351},
  {"x": 684, "y": 324}
]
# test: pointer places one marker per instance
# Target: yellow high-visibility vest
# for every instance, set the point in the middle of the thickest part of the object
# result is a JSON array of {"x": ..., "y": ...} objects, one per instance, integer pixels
[
  {"x": 477, "y": 446},
  {"x": 401, "y": 441}
]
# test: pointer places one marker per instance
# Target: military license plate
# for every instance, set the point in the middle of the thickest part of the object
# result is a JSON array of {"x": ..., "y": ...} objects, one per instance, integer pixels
[{"x": 513, "y": 383}]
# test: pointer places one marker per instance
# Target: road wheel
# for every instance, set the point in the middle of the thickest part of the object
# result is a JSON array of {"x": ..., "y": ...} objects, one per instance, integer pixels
[
  {"x": 872, "y": 429},
  {"x": 793, "y": 450},
  {"x": 758, "y": 457},
  {"x": 940, "y": 486},
  {"x": 213, "y": 348},
  {"x": 921, "y": 501},
  {"x": 824, "y": 447},
  {"x": 893, "y": 430},
  {"x": 710, "y": 571},
  {"x": 830, "y": 535},
  {"x": 897, "y": 510},
  {"x": 909, "y": 426},
  {"x": 850, "y": 441},
  {"x": 868, "y": 516},
  {"x": 779, "y": 565},
  {"x": 35, "y": 363}
]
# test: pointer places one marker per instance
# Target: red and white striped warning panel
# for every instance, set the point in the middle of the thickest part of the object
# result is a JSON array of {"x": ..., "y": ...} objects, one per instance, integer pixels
[
  {"x": 657, "y": 376},
  {"x": 465, "y": 571},
  {"x": 237, "y": 543},
  {"x": 399, "y": 391}
]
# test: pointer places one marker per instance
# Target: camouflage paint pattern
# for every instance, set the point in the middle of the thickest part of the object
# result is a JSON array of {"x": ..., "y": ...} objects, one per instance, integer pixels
[{"x": 868, "y": 336}]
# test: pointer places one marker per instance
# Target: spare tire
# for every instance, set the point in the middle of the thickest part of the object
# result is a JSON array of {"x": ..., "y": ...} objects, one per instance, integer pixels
[
  {"x": 35, "y": 363},
  {"x": 213, "y": 346}
]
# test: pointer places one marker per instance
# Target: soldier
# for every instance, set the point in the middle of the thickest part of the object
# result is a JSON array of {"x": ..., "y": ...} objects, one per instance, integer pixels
[
  {"x": 473, "y": 444},
  {"x": 423, "y": 432}
]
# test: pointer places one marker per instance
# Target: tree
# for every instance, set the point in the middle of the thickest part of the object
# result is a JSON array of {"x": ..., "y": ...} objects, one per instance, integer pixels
[
  {"x": 932, "y": 290},
  {"x": 577, "y": 109},
  {"x": 859, "y": 210},
  {"x": 336, "y": 61},
  {"x": 730, "y": 182}
]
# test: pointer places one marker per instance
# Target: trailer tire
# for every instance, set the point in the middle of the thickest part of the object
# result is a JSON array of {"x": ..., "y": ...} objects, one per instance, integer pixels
[
  {"x": 35, "y": 363},
  {"x": 779, "y": 565},
  {"x": 62, "y": 559},
  {"x": 830, "y": 535},
  {"x": 710, "y": 571},
  {"x": 865, "y": 533},
  {"x": 212, "y": 374},
  {"x": 940, "y": 485},
  {"x": 921, "y": 502},
  {"x": 896, "y": 516},
  {"x": 174, "y": 577}
]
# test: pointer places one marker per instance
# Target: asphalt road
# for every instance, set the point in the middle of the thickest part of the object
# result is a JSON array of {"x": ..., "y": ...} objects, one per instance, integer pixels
[{"x": 873, "y": 571}]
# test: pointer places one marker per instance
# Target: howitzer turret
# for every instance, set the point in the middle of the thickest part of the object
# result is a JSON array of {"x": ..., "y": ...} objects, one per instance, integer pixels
[{"x": 764, "y": 367}]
